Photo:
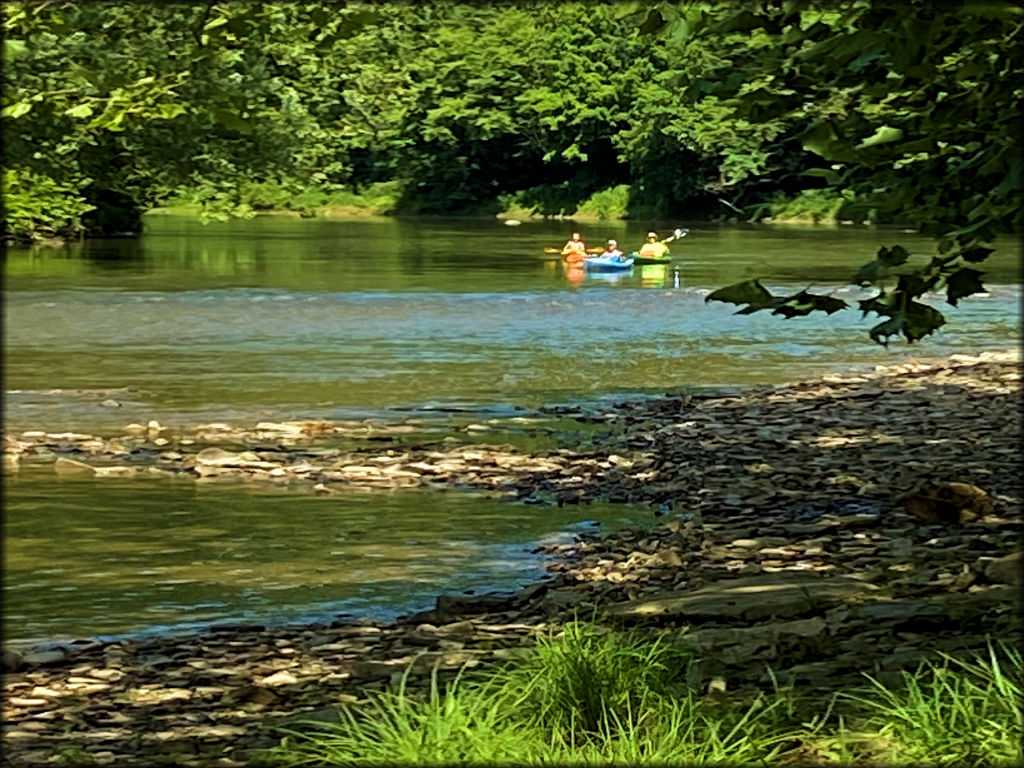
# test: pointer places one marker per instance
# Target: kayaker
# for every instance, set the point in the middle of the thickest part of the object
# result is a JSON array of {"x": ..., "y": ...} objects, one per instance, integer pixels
[
  {"x": 654, "y": 248},
  {"x": 612, "y": 251},
  {"x": 574, "y": 251}
]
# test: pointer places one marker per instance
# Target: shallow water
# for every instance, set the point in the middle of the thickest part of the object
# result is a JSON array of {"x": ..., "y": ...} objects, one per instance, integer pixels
[
  {"x": 86, "y": 557},
  {"x": 437, "y": 323}
]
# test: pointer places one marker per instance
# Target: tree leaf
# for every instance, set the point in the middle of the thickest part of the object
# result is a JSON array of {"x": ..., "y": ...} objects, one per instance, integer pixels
[
  {"x": 652, "y": 23},
  {"x": 921, "y": 320},
  {"x": 804, "y": 303},
  {"x": 82, "y": 110},
  {"x": 975, "y": 255},
  {"x": 830, "y": 176},
  {"x": 883, "y": 135},
  {"x": 915, "y": 322},
  {"x": 914, "y": 284},
  {"x": 17, "y": 109},
  {"x": 893, "y": 257},
  {"x": 168, "y": 111},
  {"x": 870, "y": 273},
  {"x": 14, "y": 48},
  {"x": 963, "y": 282},
  {"x": 747, "y": 292},
  {"x": 891, "y": 327}
]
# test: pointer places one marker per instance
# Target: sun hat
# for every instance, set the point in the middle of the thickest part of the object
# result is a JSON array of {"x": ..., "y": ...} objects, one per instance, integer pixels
[{"x": 652, "y": 234}]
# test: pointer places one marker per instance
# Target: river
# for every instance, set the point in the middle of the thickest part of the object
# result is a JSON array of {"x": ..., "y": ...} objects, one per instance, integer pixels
[{"x": 433, "y": 323}]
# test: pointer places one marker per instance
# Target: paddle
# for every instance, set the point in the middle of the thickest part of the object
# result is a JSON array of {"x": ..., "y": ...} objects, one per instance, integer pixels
[{"x": 559, "y": 252}]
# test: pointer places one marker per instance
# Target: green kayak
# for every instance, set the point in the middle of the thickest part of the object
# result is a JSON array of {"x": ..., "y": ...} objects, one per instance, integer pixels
[{"x": 638, "y": 259}]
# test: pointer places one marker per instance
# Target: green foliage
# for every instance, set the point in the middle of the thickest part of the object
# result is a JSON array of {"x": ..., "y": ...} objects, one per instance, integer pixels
[
  {"x": 605, "y": 204},
  {"x": 915, "y": 109},
  {"x": 37, "y": 207},
  {"x": 816, "y": 205},
  {"x": 907, "y": 112}
]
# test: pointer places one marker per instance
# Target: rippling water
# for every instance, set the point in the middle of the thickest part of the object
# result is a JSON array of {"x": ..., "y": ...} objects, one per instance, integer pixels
[{"x": 282, "y": 318}]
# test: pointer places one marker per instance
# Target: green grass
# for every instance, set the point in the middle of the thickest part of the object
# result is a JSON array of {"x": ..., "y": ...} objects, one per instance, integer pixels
[
  {"x": 951, "y": 712},
  {"x": 588, "y": 696}
]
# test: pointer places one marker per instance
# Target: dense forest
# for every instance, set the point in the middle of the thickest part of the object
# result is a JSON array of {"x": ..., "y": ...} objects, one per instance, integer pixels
[{"x": 757, "y": 110}]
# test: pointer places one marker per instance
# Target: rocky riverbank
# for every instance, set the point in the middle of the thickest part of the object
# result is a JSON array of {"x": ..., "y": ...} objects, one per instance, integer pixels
[{"x": 824, "y": 529}]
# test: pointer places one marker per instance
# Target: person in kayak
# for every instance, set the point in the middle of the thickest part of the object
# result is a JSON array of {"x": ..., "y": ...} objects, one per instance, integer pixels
[
  {"x": 574, "y": 251},
  {"x": 654, "y": 248},
  {"x": 612, "y": 251}
]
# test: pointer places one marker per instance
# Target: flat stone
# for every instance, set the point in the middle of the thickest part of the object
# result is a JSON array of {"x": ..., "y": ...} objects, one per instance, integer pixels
[
  {"x": 63, "y": 466},
  {"x": 461, "y": 605},
  {"x": 54, "y": 656},
  {"x": 372, "y": 670},
  {"x": 115, "y": 471},
  {"x": 456, "y": 629},
  {"x": 779, "y": 595},
  {"x": 218, "y": 457},
  {"x": 1006, "y": 570},
  {"x": 664, "y": 558},
  {"x": 18, "y": 701},
  {"x": 279, "y": 678}
]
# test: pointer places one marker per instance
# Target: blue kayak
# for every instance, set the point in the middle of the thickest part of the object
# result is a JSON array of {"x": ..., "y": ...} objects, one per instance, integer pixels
[{"x": 608, "y": 263}]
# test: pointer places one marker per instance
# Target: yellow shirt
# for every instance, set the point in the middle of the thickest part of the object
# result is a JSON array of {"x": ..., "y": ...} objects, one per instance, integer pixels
[{"x": 653, "y": 250}]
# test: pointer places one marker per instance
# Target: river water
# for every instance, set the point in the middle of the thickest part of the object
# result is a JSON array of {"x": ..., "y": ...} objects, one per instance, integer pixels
[{"x": 436, "y": 323}]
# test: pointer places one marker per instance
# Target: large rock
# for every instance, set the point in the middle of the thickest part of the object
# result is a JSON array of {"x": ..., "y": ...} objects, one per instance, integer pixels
[{"x": 780, "y": 595}]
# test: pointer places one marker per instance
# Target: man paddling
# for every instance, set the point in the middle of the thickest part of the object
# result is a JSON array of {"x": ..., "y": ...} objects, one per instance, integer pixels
[
  {"x": 574, "y": 251},
  {"x": 612, "y": 251},
  {"x": 654, "y": 248},
  {"x": 658, "y": 249}
]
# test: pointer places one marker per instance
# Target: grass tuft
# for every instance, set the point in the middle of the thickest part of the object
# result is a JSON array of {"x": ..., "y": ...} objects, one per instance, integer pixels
[{"x": 590, "y": 696}]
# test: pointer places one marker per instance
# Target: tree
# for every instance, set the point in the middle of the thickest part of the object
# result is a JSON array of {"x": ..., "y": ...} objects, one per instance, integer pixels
[{"x": 914, "y": 107}]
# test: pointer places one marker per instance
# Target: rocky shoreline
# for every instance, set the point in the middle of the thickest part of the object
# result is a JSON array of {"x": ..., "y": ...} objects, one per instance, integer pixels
[{"x": 807, "y": 528}]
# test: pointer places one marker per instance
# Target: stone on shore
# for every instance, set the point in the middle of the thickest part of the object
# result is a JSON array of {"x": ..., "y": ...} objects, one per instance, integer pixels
[{"x": 776, "y": 595}]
